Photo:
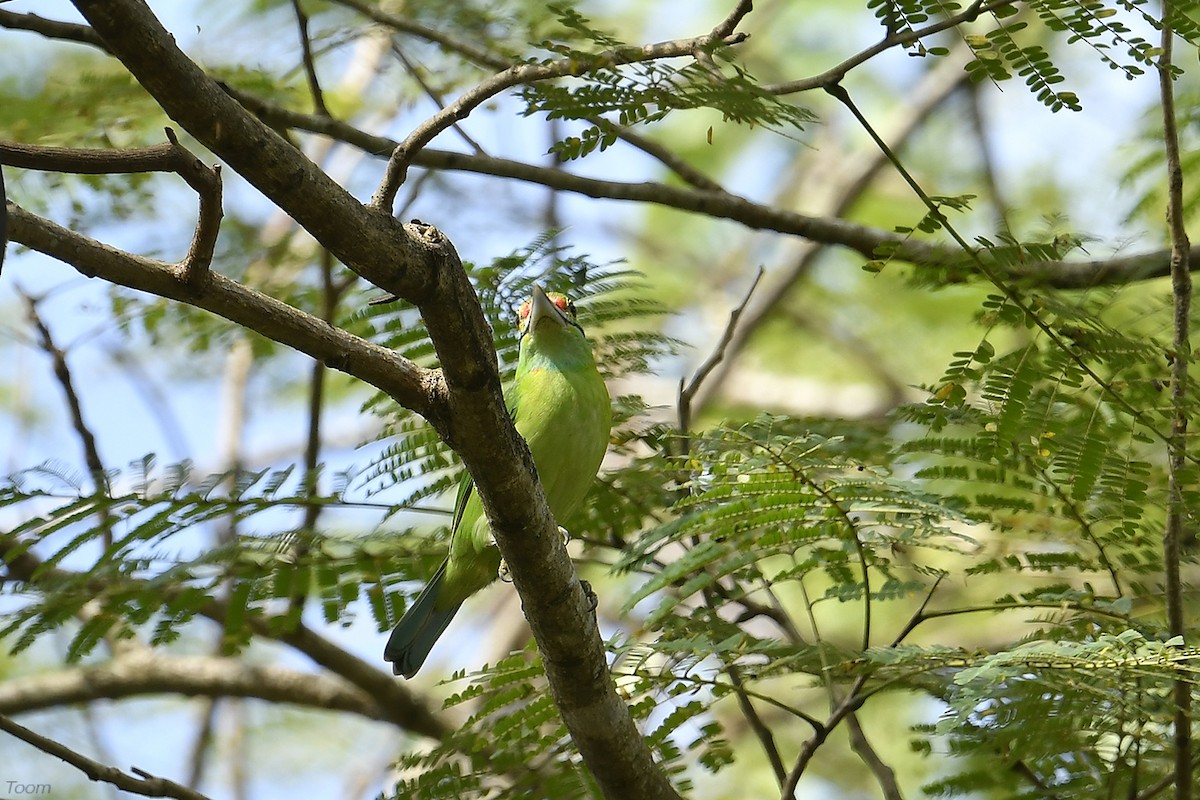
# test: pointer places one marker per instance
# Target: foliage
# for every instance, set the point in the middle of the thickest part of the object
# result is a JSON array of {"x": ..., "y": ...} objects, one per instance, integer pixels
[
  {"x": 988, "y": 557},
  {"x": 645, "y": 92}
]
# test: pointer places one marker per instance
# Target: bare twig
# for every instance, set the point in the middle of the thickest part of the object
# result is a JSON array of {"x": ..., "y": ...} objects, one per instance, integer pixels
[
  {"x": 1176, "y": 532},
  {"x": 987, "y": 157},
  {"x": 468, "y": 50},
  {"x": 760, "y": 728},
  {"x": 688, "y": 392},
  {"x": 144, "y": 784},
  {"x": 310, "y": 64},
  {"x": 935, "y": 87},
  {"x": 852, "y": 702},
  {"x": 51, "y": 29},
  {"x": 434, "y": 95},
  {"x": 671, "y": 160},
  {"x": 62, "y": 373}
]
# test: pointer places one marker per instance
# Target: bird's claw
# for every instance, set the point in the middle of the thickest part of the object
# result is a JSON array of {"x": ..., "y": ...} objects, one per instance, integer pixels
[
  {"x": 590, "y": 594},
  {"x": 502, "y": 573},
  {"x": 564, "y": 533}
]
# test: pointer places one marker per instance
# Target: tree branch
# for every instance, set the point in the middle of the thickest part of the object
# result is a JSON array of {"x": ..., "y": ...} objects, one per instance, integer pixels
[
  {"x": 527, "y": 72},
  {"x": 402, "y": 707},
  {"x": 414, "y": 387},
  {"x": 1113, "y": 271},
  {"x": 834, "y": 75},
  {"x": 310, "y": 64},
  {"x": 1175, "y": 534},
  {"x": 168, "y": 157},
  {"x": 709, "y": 200},
  {"x": 418, "y": 263},
  {"x": 144, "y": 671},
  {"x": 51, "y": 29},
  {"x": 145, "y": 784}
]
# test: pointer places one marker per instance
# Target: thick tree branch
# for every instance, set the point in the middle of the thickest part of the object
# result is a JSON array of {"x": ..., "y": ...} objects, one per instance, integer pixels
[
  {"x": 144, "y": 671},
  {"x": 417, "y": 263},
  {"x": 414, "y": 387}
]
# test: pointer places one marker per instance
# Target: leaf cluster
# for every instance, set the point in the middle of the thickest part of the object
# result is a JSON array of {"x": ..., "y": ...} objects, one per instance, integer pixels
[{"x": 645, "y": 91}]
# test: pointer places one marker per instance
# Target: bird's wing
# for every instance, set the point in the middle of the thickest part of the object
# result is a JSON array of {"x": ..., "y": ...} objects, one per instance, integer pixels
[{"x": 466, "y": 486}]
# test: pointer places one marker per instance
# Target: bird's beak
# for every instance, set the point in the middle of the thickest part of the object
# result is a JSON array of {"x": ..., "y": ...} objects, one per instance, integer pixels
[{"x": 541, "y": 308}]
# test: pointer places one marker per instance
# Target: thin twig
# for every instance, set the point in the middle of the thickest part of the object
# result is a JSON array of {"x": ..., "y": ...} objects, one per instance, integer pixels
[
  {"x": 688, "y": 392},
  {"x": 435, "y": 96},
  {"x": 760, "y": 728},
  {"x": 310, "y": 64},
  {"x": 1000, "y": 281},
  {"x": 935, "y": 87},
  {"x": 144, "y": 784},
  {"x": 62, "y": 373},
  {"x": 672, "y": 161},
  {"x": 1176, "y": 532},
  {"x": 987, "y": 158},
  {"x": 468, "y": 50}
]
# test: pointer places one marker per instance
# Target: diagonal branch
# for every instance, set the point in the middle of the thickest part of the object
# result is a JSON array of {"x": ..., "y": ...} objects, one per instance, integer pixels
[
  {"x": 416, "y": 388},
  {"x": 62, "y": 373},
  {"x": 834, "y": 75},
  {"x": 310, "y": 64},
  {"x": 518, "y": 74},
  {"x": 144, "y": 784}
]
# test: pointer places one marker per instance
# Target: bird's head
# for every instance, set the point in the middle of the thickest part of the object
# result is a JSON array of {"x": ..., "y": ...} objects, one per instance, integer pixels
[{"x": 542, "y": 309}]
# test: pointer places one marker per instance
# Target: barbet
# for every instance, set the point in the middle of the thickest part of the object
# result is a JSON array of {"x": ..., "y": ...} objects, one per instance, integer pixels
[{"x": 559, "y": 403}]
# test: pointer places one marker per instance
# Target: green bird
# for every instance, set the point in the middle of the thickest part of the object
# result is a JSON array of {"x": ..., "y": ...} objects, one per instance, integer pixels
[{"x": 559, "y": 403}]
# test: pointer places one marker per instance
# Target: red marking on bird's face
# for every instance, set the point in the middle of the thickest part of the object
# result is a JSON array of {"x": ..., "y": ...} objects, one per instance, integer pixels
[{"x": 561, "y": 302}]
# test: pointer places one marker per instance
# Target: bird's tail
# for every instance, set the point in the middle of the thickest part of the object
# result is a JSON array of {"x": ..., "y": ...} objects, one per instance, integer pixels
[{"x": 415, "y": 634}]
